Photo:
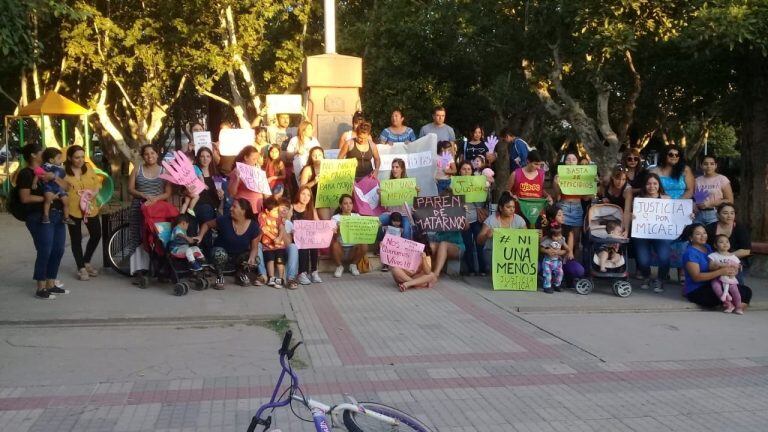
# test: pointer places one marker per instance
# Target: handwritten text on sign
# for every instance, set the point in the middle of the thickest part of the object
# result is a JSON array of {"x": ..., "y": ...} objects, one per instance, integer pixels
[
  {"x": 337, "y": 177},
  {"x": 472, "y": 187},
  {"x": 254, "y": 178},
  {"x": 397, "y": 192},
  {"x": 359, "y": 229},
  {"x": 202, "y": 139},
  {"x": 440, "y": 213},
  {"x": 577, "y": 179},
  {"x": 662, "y": 219},
  {"x": 401, "y": 253},
  {"x": 313, "y": 234},
  {"x": 515, "y": 258}
]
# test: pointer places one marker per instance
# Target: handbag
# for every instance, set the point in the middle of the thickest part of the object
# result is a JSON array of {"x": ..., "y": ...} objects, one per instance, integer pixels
[{"x": 364, "y": 266}]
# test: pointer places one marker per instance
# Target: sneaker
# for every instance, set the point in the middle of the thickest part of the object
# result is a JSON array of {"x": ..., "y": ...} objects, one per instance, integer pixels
[
  {"x": 384, "y": 268},
  {"x": 644, "y": 285},
  {"x": 548, "y": 290},
  {"x": 83, "y": 275},
  {"x": 292, "y": 284},
  {"x": 46, "y": 220},
  {"x": 557, "y": 288},
  {"x": 353, "y": 269},
  {"x": 271, "y": 282},
  {"x": 658, "y": 286},
  {"x": 278, "y": 283},
  {"x": 67, "y": 221},
  {"x": 191, "y": 212},
  {"x": 44, "y": 295},
  {"x": 219, "y": 284},
  {"x": 91, "y": 270},
  {"x": 58, "y": 284},
  {"x": 338, "y": 272},
  {"x": 304, "y": 279},
  {"x": 57, "y": 290},
  {"x": 195, "y": 266},
  {"x": 316, "y": 277},
  {"x": 739, "y": 311}
]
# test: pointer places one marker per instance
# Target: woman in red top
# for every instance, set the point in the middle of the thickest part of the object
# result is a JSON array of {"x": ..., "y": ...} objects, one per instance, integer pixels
[{"x": 528, "y": 182}]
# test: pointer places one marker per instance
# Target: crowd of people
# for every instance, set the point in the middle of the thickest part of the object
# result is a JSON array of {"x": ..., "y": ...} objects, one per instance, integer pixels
[{"x": 254, "y": 230}]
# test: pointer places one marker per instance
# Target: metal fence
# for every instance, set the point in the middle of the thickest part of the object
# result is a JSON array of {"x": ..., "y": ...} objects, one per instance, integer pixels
[{"x": 111, "y": 218}]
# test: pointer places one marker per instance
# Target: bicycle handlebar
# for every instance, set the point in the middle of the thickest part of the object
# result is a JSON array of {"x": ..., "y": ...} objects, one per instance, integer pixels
[{"x": 286, "y": 342}]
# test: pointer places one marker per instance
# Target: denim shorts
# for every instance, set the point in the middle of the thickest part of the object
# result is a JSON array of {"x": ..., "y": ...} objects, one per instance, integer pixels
[{"x": 573, "y": 212}]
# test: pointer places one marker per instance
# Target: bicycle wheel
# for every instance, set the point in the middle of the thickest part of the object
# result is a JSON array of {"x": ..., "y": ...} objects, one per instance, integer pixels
[
  {"x": 358, "y": 422},
  {"x": 117, "y": 249}
]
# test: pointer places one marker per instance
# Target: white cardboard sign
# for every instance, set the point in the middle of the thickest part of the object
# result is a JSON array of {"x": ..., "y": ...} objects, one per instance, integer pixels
[
  {"x": 231, "y": 141},
  {"x": 202, "y": 139},
  {"x": 663, "y": 219}
]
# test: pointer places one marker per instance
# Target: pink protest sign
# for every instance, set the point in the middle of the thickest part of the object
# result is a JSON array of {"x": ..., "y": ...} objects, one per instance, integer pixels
[
  {"x": 314, "y": 234},
  {"x": 180, "y": 171},
  {"x": 401, "y": 253},
  {"x": 367, "y": 197},
  {"x": 254, "y": 178}
]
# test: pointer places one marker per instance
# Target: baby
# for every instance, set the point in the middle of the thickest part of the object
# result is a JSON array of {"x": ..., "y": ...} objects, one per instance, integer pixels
[
  {"x": 52, "y": 163},
  {"x": 609, "y": 252},
  {"x": 726, "y": 287}
]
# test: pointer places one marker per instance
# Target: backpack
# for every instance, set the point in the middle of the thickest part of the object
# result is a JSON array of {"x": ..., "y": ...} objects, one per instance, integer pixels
[{"x": 15, "y": 206}]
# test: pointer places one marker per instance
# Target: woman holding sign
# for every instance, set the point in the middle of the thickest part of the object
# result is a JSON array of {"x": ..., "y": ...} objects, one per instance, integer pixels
[
  {"x": 304, "y": 209},
  {"x": 310, "y": 177},
  {"x": 398, "y": 172},
  {"x": 237, "y": 188},
  {"x": 504, "y": 217},
  {"x": 643, "y": 246},
  {"x": 698, "y": 274},
  {"x": 362, "y": 148},
  {"x": 423, "y": 277},
  {"x": 297, "y": 152},
  {"x": 475, "y": 211},
  {"x": 339, "y": 250},
  {"x": 571, "y": 206}
]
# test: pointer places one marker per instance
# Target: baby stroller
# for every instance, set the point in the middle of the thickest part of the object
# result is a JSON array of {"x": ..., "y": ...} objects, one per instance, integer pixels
[
  {"x": 614, "y": 250},
  {"x": 156, "y": 235}
]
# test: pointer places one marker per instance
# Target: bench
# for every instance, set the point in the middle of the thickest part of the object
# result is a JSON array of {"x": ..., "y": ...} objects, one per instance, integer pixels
[{"x": 759, "y": 260}]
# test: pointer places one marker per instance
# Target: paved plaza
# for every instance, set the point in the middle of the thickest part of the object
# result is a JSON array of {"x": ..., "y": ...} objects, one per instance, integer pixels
[{"x": 111, "y": 357}]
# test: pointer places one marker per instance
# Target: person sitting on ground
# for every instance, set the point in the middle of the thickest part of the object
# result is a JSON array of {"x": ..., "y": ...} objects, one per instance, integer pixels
[
  {"x": 504, "y": 217},
  {"x": 237, "y": 243},
  {"x": 553, "y": 247},
  {"x": 609, "y": 253},
  {"x": 52, "y": 163},
  {"x": 393, "y": 228},
  {"x": 698, "y": 274},
  {"x": 423, "y": 277},
  {"x": 726, "y": 287},
  {"x": 272, "y": 242},
  {"x": 339, "y": 250},
  {"x": 183, "y": 246}
]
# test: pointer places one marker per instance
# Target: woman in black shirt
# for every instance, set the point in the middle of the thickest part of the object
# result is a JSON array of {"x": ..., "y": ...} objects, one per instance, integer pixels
[{"x": 49, "y": 238}]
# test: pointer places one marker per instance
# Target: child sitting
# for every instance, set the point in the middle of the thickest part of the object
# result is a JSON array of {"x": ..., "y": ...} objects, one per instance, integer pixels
[
  {"x": 183, "y": 246},
  {"x": 554, "y": 249},
  {"x": 272, "y": 242},
  {"x": 191, "y": 198},
  {"x": 609, "y": 252},
  {"x": 395, "y": 228},
  {"x": 52, "y": 163},
  {"x": 726, "y": 287}
]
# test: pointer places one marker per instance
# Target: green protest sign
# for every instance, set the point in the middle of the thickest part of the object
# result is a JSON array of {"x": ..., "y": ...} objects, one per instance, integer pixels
[
  {"x": 337, "y": 177},
  {"x": 398, "y": 192},
  {"x": 359, "y": 229},
  {"x": 472, "y": 187},
  {"x": 531, "y": 208},
  {"x": 515, "y": 259},
  {"x": 577, "y": 179}
]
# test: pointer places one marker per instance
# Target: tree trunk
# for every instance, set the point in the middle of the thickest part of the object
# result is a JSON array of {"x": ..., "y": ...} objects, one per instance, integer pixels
[{"x": 754, "y": 134}]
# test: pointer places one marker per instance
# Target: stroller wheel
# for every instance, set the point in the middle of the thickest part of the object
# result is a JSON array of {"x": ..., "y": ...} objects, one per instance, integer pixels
[
  {"x": 622, "y": 288},
  {"x": 180, "y": 289},
  {"x": 199, "y": 284},
  {"x": 584, "y": 286}
]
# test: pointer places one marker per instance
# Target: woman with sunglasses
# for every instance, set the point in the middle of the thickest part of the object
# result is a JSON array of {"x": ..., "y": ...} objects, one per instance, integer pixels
[
  {"x": 676, "y": 177},
  {"x": 633, "y": 166}
]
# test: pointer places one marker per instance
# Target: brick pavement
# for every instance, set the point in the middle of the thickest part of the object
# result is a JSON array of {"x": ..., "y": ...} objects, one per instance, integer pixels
[{"x": 444, "y": 355}]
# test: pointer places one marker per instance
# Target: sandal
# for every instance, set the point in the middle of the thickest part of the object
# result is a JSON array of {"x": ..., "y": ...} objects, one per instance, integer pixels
[{"x": 292, "y": 284}]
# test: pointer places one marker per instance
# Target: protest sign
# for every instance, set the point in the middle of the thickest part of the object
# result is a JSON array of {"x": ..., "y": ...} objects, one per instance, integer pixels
[
  {"x": 577, "y": 179},
  {"x": 231, "y": 141},
  {"x": 665, "y": 219},
  {"x": 398, "y": 192},
  {"x": 531, "y": 208},
  {"x": 515, "y": 258},
  {"x": 440, "y": 213},
  {"x": 420, "y": 159},
  {"x": 337, "y": 177},
  {"x": 472, "y": 187},
  {"x": 284, "y": 104},
  {"x": 254, "y": 178},
  {"x": 331, "y": 154},
  {"x": 313, "y": 234},
  {"x": 202, "y": 139},
  {"x": 401, "y": 253},
  {"x": 359, "y": 229},
  {"x": 367, "y": 197},
  {"x": 180, "y": 171}
]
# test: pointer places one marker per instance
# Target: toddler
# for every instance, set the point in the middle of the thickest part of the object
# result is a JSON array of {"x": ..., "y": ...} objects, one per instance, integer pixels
[
  {"x": 191, "y": 198},
  {"x": 52, "y": 163},
  {"x": 446, "y": 167},
  {"x": 553, "y": 247},
  {"x": 726, "y": 287},
  {"x": 183, "y": 246},
  {"x": 609, "y": 252}
]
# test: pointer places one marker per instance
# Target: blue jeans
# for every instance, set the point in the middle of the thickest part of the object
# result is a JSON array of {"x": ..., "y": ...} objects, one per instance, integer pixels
[
  {"x": 473, "y": 249},
  {"x": 443, "y": 185},
  {"x": 643, "y": 256},
  {"x": 291, "y": 261},
  {"x": 49, "y": 242},
  {"x": 407, "y": 231},
  {"x": 706, "y": 217},
  {"x": 203, "y": 214}
]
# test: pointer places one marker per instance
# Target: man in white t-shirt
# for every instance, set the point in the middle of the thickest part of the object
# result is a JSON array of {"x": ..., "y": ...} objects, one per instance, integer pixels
[{"x": 438, "y": 126}]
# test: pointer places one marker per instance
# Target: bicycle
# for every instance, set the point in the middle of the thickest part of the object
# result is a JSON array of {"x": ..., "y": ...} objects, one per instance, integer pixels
[{"x": 356, "y": 416}]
